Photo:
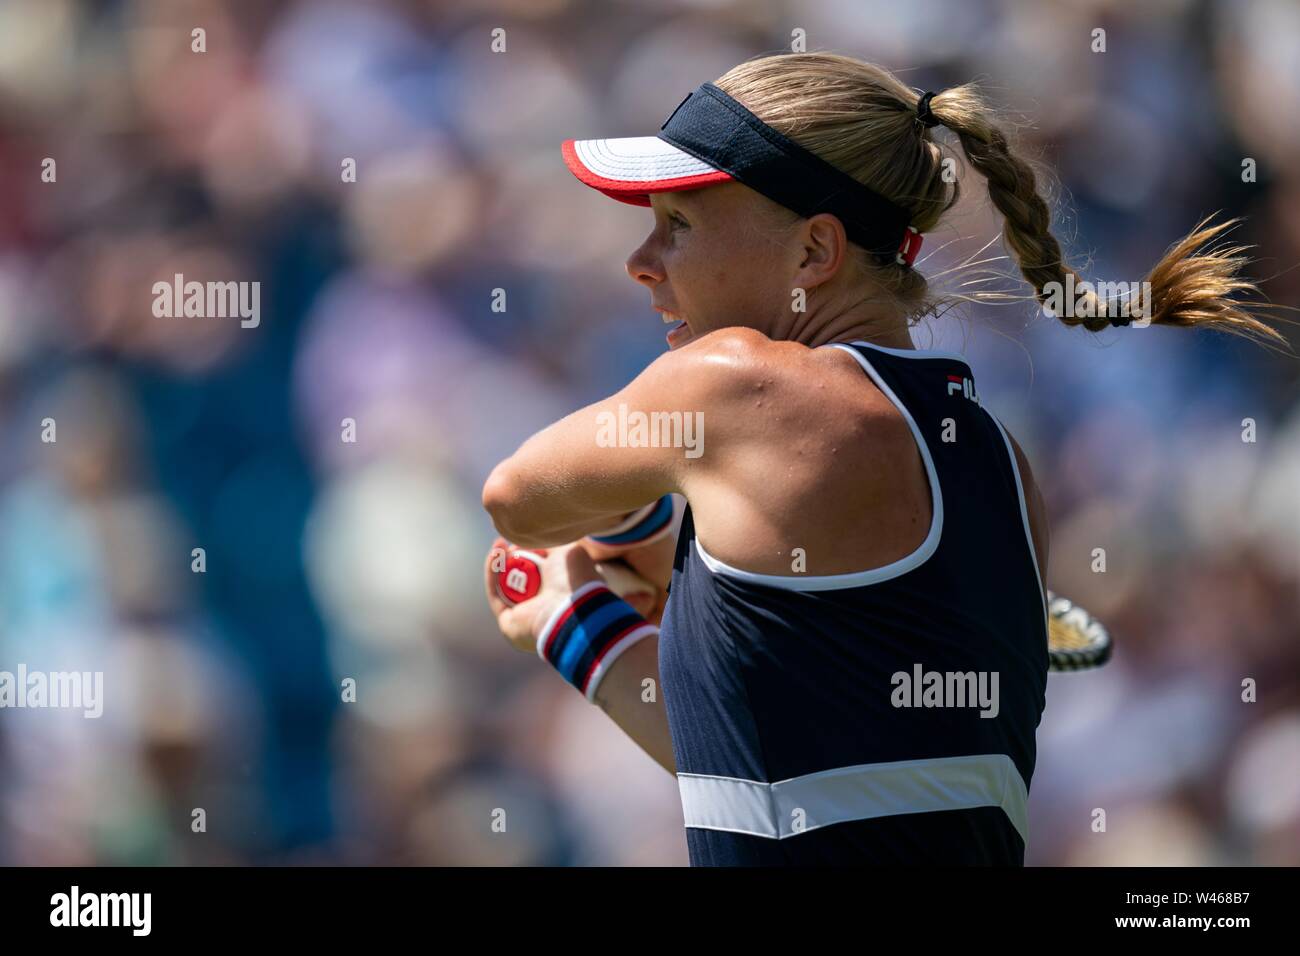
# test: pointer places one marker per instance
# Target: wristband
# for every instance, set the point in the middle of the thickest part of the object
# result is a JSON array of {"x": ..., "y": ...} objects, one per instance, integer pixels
[
  {"x": 642, "y": 526},
  {"x": 587, "y": 633}
]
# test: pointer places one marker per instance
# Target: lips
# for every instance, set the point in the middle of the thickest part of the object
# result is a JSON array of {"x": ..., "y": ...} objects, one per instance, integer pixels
[{"x": 680, "y": 333}]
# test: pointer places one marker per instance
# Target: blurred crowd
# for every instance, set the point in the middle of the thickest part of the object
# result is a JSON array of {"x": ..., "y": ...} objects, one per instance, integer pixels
[{"x": 325, "y": 559}]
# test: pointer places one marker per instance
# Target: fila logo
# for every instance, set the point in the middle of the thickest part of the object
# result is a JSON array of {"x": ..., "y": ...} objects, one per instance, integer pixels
[{"x": 957, "y": 383}]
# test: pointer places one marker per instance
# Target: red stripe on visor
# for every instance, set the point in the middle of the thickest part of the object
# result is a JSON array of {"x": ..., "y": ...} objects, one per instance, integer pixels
[
  {"x": 630, "y": 168},
  {"x": 711, "y": 137}
]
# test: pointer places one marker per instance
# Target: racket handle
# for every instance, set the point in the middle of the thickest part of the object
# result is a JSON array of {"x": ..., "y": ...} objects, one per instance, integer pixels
[{"x": 520, "y": 577}]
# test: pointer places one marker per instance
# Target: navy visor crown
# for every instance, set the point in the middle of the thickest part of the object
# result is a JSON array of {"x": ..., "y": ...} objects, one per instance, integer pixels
[{"x": 714, "y": 127}]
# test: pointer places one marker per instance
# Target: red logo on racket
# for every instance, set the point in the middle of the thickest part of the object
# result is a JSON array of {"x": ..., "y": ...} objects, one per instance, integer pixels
[{"x": 520, "y": 578}]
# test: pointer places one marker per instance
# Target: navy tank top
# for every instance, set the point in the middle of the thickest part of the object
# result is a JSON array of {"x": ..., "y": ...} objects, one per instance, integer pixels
[{"x": 880, "y": 717}]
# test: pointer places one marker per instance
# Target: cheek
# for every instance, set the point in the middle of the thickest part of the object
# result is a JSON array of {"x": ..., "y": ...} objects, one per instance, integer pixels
[
  {"x": 747, "y": 279},
  {"x": 692, "y": 270},
  {"x": 719, "y": 279}
]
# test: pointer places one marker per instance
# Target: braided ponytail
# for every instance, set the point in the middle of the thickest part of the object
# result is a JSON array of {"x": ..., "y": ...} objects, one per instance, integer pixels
[
  {"x": 1192, "y": 285},
  {"x": 868, "y": 123}
]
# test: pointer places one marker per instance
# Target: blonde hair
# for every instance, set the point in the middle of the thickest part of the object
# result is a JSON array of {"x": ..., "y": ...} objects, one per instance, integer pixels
[{"x": 863, "y": 120}]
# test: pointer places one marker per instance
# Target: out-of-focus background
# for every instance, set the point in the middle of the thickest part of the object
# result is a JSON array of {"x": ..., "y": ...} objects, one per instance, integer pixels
[{"x": 329, "y": 559}]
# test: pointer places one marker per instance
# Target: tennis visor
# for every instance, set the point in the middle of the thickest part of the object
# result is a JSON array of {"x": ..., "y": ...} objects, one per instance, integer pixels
[{"x": 711, "y": 138}]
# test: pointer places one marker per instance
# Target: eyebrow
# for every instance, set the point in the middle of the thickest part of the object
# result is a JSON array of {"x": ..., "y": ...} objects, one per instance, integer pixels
[
  {"x": 674, "y": 202},
  {"x": 674, "y": 198}
]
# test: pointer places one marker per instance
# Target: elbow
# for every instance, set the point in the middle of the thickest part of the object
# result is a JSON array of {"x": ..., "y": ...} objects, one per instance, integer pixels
[
  {"x": 505, "y": 499},
  {"x": 501, "y": 497}
]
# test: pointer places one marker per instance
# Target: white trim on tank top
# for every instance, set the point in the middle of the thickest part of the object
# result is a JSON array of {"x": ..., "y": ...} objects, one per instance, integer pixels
[
  {"x": 858, "y": 792},
  {"x": 1024, "y": 517},
  {"x": 857, "y": 579},
  {"x": 906, "y": 353}
]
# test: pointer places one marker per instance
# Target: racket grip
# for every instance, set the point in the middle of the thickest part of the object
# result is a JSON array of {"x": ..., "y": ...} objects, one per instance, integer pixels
[{"x": 520, "y": 576}]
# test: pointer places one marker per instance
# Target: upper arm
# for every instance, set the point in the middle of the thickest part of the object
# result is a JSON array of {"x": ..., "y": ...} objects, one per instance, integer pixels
[
  {"x": 1035, "y": 507},
  {"x": 615, "y": 455}
]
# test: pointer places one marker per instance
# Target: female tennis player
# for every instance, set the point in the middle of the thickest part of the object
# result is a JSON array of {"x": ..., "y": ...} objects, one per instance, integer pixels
[{"x": 853, "y": 653}]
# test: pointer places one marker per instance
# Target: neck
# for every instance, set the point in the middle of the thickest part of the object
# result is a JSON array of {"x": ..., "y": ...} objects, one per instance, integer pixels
[{"x": 865, "y": 323}]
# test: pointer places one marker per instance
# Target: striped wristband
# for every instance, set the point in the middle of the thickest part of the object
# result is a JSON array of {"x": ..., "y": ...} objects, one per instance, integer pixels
[
  {"x": 642, "y": 526},
  {"x": 587, "y": 633}
]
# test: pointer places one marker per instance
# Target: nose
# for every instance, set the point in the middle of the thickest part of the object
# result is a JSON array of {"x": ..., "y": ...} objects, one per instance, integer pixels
[{"x": 644, "y": 265}]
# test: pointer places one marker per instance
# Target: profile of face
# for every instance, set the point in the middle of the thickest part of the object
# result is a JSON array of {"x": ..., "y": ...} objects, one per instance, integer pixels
[{"x": 725, "y": 256}]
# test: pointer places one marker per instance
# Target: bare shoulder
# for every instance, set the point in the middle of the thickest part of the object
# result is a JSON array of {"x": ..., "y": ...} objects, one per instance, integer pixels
[
  {"x": 713, "y": 364},
  {"x": 742, "y": 364},
  {"x": 734, "y": 368},
  {"x": 735, "y": 355},
  {"x": 806, "y": 446}
]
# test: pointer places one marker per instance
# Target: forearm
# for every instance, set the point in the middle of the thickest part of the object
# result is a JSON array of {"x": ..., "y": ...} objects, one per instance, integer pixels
[
  {"x": 614, "y": 533},
  {"x": 571, "y": 480},
  {"x": 610, "y": 653},
  {"x": 554, "y": 537},
  {"x": 632, "y": 697},
  {"x": 652, "y": 559},
  {"x": 604, "y": 646}
]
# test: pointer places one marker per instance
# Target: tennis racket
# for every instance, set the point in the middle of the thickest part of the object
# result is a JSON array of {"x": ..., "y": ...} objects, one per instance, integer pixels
[
  {"x": 520, "y": 577},
  {"x": 1076, "y": 641}
]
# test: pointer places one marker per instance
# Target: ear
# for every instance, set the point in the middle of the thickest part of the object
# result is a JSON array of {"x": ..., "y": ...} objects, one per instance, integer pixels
[{"x": 825, "y": 245}]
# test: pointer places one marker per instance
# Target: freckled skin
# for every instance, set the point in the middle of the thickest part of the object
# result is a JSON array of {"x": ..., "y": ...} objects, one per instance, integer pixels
[{"x": 693, "y": 233}]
